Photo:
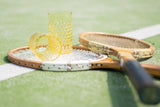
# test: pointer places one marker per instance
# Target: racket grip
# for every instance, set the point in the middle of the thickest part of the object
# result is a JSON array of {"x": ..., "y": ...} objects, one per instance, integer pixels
[{"x": 148, "y": 91}]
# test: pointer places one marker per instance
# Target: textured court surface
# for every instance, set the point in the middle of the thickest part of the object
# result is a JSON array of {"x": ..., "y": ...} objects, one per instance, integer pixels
[{"x": 94, "y": 88}]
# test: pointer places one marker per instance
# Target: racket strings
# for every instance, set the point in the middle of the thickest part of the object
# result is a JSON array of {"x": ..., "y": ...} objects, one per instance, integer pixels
[
  {"x": 76, "y": 55},
  {"x": 117, "y": 41}
]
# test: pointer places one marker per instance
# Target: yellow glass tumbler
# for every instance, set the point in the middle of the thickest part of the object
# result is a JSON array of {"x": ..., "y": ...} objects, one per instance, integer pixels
[
  {"x": 48, "y": 47},
  {"x": 60, "y": 25}
]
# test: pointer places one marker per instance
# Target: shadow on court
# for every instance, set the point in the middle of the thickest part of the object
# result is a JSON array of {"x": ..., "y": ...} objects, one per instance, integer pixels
[
  {"x": 6, "y": 60},
  {"x": 120, "y": 92}
]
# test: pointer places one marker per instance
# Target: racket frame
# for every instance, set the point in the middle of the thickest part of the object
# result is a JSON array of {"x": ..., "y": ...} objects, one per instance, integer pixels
[{"x": 56, "y": 66}]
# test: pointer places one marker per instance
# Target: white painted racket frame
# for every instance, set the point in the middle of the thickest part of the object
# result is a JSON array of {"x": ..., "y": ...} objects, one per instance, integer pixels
[{"x": 70, "y": 65}]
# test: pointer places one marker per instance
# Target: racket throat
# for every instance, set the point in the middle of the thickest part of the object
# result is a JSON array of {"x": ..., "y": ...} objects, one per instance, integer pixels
[{"x": 124, "y": 57}]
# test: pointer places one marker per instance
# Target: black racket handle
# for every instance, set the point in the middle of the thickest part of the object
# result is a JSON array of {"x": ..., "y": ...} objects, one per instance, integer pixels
[{"x": 148, "y": 91}]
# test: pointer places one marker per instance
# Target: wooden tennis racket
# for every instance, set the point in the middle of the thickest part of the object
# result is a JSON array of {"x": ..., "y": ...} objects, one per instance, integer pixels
[
  {"x": 23, "y": 56},
  {"x": 126, "y": 50}
]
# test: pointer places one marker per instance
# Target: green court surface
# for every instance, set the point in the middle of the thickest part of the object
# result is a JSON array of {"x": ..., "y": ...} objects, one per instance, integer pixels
[{"x": 94, "y": 88}]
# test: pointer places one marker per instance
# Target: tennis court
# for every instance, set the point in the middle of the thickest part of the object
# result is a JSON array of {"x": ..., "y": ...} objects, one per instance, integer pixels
[{"x": 93, "y": 88}]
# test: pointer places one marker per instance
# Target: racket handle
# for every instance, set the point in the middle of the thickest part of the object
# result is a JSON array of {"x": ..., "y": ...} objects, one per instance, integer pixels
[{"x": 148, "y": 91}]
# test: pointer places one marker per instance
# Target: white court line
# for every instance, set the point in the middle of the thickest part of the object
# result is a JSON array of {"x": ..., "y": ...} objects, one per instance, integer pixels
[
  {"x": 144, "y": 32},
  {"x": 11, "y": 70}
]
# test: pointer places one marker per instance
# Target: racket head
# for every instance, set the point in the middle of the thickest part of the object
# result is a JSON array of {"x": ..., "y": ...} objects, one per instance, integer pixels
[
  {"x": 106, "y": 43},
  {"x": 80, "y": 59}
]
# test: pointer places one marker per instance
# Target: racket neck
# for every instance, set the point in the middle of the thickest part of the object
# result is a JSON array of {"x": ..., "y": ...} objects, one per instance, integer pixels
[{"x": 124, "y": 57}]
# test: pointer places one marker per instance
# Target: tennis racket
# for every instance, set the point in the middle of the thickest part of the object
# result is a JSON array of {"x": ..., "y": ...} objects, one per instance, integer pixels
[
  {"x": 126, "y": 50},
  {"x": 80, "y": 59}
]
